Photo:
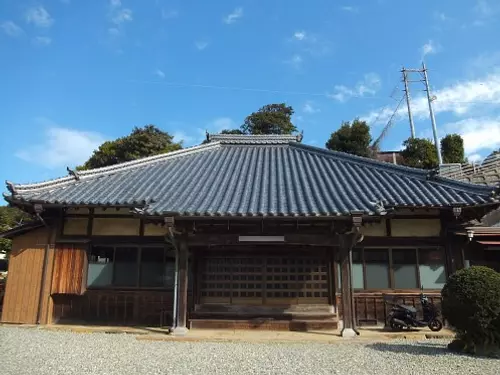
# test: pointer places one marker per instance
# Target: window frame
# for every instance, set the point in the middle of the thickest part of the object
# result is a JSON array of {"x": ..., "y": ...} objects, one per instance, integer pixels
[
  {"x": 167, "y": 254},
  {"x": 390, "y": 249}
]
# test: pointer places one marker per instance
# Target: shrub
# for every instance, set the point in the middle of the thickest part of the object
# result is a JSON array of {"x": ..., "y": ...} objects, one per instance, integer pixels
[{"x": 471, "y": 305}]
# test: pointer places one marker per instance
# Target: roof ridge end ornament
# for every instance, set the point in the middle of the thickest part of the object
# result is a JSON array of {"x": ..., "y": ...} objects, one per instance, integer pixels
[
  {"x": 380, "y": 208},
  {"x": 300, "y": 136},
  {"x": 73, "y": 173},
  {"x": 432, "y": 174},
  {"x": 207, "y": 134},
  {"x": 11, "y": 187}
]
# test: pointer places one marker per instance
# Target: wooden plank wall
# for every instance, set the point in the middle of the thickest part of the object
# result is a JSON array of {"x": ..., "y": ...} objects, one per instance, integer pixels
[
  {"x": 22, "y": 294},
  {"x": 70, "y": 267},
  {"x": 117, "y": 307}
]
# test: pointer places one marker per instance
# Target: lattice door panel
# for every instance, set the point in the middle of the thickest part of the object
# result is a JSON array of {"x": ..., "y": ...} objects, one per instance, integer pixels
[
  {"x": 264, "y": 280},
  {"x": 298, "y": 280}
]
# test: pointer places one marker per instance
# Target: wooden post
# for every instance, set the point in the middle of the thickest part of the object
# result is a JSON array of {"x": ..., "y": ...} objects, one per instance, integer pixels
[
  {"x": 346, "y": 243},
  {"x": 180, "y": 326}
]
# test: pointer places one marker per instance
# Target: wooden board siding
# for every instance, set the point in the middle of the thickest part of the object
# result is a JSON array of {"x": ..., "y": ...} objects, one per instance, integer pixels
[
  {"x": 371, "y": 308},
  {"x": 22, "y": 294},
  {"x": 117, "y": 307},
  {"x": 70, "y": 268}
]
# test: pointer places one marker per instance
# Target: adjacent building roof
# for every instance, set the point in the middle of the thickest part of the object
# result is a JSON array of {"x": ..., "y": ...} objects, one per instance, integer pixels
[
  {"x": 235, "y": 175},
  {"x": 486, "y": 173}
]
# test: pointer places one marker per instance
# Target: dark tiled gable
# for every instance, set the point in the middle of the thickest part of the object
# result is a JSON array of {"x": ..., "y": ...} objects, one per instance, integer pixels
[{"x": 255, "y": 176}]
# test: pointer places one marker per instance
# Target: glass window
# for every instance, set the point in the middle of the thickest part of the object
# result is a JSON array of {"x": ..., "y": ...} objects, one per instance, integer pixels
[
  {"x": 170, "y": 273},
  {"x": 377, "y": 268},
  {"x": 431, "y": 268},
  {"x": 152, "y": 270},
  {"x": 404, "y": 263},
  {"x": 357, "y": 269},
  {"x": 125, "y": 266},
  {"x": 100, "y": 270}
]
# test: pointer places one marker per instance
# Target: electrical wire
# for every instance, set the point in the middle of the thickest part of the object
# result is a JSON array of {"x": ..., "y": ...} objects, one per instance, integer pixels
[{"x": 271, "y": 91}]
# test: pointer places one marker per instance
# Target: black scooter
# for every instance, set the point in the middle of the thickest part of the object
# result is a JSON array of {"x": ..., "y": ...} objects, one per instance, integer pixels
[{"x": 405, "y": 317}]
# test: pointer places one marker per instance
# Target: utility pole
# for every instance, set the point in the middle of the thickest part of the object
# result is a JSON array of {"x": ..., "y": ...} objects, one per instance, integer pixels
[
  {"x": 407, "y": 92},
  {"x": 431, "y": 111}
]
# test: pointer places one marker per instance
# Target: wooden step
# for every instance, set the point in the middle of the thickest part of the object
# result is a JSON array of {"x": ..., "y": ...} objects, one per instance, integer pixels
[
  {"x": 265, "y": 324},
  {"x": 250, "y": 315}
]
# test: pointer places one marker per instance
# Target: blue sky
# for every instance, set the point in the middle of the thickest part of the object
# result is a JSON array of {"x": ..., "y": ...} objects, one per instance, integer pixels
[{"x": 74, "y": 73}]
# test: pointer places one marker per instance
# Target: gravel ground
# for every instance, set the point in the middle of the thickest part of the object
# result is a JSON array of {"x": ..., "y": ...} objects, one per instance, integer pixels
[{"x": 35, "y": 351}]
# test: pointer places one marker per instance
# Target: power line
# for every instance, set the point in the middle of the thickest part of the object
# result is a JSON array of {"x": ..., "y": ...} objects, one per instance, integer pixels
[
  {"x": 251, "y": 89},
  {"x": 388, "y": 125}
]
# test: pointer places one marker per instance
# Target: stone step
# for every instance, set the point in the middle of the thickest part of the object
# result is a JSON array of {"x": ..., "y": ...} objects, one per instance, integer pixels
[{"x": 264, "y": 324}]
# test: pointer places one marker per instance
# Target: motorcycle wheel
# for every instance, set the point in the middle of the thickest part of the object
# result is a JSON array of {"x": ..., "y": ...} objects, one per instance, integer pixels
[
  {"x": 435, "y": 325},
  {"x": 395, "y": 326}
]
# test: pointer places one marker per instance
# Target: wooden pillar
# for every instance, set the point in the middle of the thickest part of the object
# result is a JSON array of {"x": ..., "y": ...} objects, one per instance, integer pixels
[
  {"x": 346, "y": 243},
  {"x": 180, "y": 325}
]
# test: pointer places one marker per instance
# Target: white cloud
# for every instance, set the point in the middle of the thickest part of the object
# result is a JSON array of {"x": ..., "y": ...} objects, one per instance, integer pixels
[
  {"x": 169, "y": 14},
  {"x": 350, "y": 9},
  {"x": 475, "y": 158},
  {"x": 295, "y": 61},
  {"x": 484, "y": 8},
  {"x": 369, "y": 85},
  {"x": 159, "y": 73},
  {"x": 221, "y": 123},
  {"x": 481, "y": 133},
  {"x": 11, "y": 29},
  {"x": 115, "y": 3},
  {"x": 62, "y": 147},
  {"x": 300, "y": 35},
  {"x": 42, "y": 41},
  {"x": 39, "y": 17},
  {"x": 429, "y": 48},
  {"x": 310, "y": 107},
  {"x": 234, "y": 16},
  {"x": 459, "y": 98},
  {"x": 201, "y": 44},
  {"x": 187, "y": 140},
  {"x": 440, "y": 16},
  {"x": 122, "y": 15},
  {"x": 198, "y": 135},
  {"x": 113, "y": 31}
]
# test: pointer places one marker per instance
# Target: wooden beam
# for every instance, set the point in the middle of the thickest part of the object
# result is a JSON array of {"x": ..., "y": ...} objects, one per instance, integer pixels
[{"x": 233, "y": 239}]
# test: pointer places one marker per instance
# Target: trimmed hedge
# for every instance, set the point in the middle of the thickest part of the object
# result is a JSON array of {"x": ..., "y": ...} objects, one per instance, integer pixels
[{"x": 471, "y": 305}]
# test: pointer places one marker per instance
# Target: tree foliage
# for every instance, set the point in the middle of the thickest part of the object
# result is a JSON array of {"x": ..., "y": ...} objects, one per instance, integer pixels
[
  {"x": 420, "y": 153},
  {"x": 9, "y": 218},
  {"x": 352, "y": 138},
  {"x": 270, "y": 119},
  {"x": 471, "y": 305},
  {"x": 452, "y": 149},
  {"x": 140, "y": 143}
]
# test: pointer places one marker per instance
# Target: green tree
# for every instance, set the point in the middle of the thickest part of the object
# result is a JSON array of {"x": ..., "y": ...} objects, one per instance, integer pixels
[
  {"x": 419, "y": 153},
  {"x": 270, "y": 119},
  {"x": 452, "y": 149},
  {"x": 9, "y": 218},
  {"x": 352, "y": 138},
  {"x": 142, "y": 142}
]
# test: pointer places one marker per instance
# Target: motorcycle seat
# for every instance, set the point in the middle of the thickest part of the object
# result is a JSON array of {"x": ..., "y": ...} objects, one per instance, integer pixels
[{"x": 409, "y": 308}]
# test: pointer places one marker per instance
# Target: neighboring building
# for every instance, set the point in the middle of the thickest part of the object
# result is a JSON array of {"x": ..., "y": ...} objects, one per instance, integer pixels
[
  {"x": 486, "y": 173},
  {"x": 240, "y": 228},
  {"x": 393, "y": 157}
]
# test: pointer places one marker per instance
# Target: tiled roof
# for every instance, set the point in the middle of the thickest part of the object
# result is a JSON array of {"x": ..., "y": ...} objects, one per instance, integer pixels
[
  {"x": 486, "y": 173},
  {"x": 254, "y": 176}
]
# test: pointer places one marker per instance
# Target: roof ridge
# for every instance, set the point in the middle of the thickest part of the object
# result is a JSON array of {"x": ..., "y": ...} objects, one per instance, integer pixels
[
  {"x": 392, "y": 167},
  {"x": 97, "y": 172},
  {"x": 255, "y": 138}
]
